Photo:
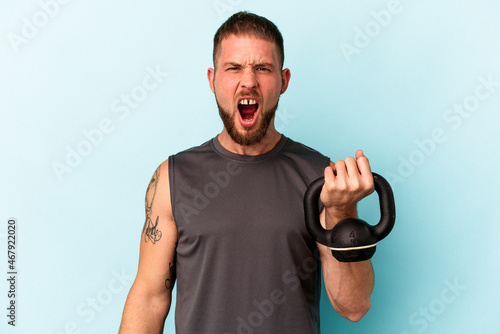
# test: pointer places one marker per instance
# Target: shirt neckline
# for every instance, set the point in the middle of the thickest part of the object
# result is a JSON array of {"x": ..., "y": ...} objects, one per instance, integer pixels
[{"x": 249, "y": 158}]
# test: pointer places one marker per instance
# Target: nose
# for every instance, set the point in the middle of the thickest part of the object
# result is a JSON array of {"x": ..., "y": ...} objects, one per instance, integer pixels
[{"x": 248, "y": 79}]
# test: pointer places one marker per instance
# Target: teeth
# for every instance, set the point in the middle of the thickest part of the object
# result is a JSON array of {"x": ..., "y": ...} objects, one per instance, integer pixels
[{"x": 248, "y": 102}]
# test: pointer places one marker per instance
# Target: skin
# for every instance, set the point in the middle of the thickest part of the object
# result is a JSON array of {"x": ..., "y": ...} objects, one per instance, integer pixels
[{"x": 247, "y": 67}]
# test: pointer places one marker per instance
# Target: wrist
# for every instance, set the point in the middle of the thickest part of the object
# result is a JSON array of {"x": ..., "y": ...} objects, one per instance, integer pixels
[{"x": 333, "y": 215}]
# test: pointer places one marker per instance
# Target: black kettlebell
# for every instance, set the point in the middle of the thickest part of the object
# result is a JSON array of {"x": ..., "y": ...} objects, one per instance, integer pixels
[{"x": 352, "y": 239}]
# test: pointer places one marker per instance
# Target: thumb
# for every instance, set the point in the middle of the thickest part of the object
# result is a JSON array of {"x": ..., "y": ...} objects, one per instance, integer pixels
[{"x": 359, "y": 154}]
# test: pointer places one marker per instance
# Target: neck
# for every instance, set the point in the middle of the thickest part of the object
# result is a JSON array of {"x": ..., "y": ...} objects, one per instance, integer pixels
[{"x": 268, "y": 142}]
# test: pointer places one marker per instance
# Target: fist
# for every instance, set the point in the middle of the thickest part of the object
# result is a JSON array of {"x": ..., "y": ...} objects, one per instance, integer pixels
[{"x": 346, "y": 183}]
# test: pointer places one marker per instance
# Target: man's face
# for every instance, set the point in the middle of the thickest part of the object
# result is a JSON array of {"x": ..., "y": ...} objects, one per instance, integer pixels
[{"x": 247, "y": 84}]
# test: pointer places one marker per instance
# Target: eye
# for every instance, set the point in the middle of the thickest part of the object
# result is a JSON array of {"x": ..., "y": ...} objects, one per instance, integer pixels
[{"x": 262, "y": 69}]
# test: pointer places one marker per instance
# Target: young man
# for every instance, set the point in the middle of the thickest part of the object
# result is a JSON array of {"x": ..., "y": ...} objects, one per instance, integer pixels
[{"x": 226, "y": 218}]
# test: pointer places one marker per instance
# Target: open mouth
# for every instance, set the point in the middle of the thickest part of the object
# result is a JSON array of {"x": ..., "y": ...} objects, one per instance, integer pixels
[{"x": 248, "y": 110}]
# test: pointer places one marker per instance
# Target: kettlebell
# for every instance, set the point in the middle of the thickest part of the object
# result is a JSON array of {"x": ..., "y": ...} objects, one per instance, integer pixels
[{"x": 352, "y": 239}]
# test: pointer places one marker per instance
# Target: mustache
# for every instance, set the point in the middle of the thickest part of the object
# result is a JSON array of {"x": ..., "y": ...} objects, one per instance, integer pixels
[{"x": 247, "y": 93}]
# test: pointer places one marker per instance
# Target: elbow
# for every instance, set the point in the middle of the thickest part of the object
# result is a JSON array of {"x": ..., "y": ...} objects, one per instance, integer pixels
[
  {"x": 354, "y": 314},
  {"x": 355, "y": 317},
  {"x": 359, "y": 313}
]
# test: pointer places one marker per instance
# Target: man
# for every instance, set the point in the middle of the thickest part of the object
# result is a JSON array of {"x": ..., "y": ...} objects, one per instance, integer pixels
[{"x": 226, "y": 218}]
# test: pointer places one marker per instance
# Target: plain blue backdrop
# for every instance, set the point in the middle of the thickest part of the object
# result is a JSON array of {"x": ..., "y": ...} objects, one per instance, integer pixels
[{"x": 94, "y": 95}]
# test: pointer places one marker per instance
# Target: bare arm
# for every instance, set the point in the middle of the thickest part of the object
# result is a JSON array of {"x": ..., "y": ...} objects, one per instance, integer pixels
[
  {"x": 149, "y": 299},
  {"x": 348, "y": 285}
]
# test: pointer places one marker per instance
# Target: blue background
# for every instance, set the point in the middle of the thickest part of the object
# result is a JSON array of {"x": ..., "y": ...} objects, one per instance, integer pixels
[{"x": 384, "y": 76}]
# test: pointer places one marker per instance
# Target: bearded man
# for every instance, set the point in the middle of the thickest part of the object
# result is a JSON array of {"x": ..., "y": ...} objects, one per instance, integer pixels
[{"x": 225, "y": 219}]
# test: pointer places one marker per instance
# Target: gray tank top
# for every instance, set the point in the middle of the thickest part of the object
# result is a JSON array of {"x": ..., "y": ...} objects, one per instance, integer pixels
[{"x": 245, "y": 262}]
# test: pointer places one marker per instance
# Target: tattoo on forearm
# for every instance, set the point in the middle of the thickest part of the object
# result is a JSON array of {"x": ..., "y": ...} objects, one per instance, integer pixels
[
  {"x": 150, "y": 230},
  {"x": 169, "y": 282}
]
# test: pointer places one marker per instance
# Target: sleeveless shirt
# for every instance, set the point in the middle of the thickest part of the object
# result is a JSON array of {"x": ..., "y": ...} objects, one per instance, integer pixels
[{"x": 245, "y": 261}]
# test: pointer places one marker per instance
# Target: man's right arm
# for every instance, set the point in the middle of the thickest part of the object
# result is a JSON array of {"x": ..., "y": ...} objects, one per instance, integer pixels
[{"x": 148, "y": 301}]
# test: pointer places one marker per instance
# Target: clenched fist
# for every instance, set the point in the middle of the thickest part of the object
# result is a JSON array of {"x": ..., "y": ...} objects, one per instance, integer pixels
[{"x": 346, "y": 183}]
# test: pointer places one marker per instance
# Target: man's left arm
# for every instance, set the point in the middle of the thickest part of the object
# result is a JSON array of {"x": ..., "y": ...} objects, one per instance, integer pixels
[{"x": 348, "y": 284}]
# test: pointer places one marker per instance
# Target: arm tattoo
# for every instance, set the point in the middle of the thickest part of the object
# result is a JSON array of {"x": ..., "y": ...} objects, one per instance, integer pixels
[
  {"x": 169, "y": 282},
  {"x": 150, "y": 230}
]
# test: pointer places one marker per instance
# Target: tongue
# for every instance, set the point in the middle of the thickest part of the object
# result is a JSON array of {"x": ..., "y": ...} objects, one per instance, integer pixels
[{"x": 247, "y": 111}]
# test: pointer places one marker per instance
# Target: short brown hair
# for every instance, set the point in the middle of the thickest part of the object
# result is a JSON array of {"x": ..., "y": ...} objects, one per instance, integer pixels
[{"x": 249, "y": 24}]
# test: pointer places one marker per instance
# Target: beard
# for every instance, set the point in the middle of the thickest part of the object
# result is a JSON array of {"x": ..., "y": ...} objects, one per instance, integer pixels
[{"x": 247, "y": 137}]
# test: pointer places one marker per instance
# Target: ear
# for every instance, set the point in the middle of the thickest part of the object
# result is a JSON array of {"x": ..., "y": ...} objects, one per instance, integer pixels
[
  {"x": 211, "y": 78},
  {"x": 285, "y": 79}
]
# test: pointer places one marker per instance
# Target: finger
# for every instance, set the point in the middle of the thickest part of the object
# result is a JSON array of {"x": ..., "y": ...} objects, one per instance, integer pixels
[
  {"x": 329, "y": 175},
  {"x": 364, "y": 165},
  {"x": 334, "y": 169},
  {"x": 359, "y": 154},
  {"x": 341, "y": 170},
  {"x": 352, "y": 167},
  {"x": 366, "y": 173}
]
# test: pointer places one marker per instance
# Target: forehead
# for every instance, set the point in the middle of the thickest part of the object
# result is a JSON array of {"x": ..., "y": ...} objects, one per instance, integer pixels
[{"x": 247, "y": 49}]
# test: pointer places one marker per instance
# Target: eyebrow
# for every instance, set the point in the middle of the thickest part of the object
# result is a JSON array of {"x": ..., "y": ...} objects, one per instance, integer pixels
[
  {"x": 231, "y": 64},
  {"x": 264, "y": 64},
  {"x": 234, "y": 64}
]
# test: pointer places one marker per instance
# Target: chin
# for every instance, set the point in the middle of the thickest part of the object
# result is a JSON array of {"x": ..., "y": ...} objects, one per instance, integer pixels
[{"x": 245, "y": 137}]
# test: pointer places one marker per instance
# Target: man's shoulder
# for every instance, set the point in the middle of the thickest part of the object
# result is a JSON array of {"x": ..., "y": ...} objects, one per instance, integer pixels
[
  {"x": 297, "y": 148},
  {"x": 202, "y": 148}
]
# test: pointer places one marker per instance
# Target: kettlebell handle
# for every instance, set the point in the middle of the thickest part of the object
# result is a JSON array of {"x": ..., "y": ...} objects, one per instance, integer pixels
[
  {"x": 380, "y": 231},
  {"x": 387, "y": 207}
]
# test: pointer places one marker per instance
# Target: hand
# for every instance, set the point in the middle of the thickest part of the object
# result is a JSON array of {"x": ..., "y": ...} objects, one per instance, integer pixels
[{"x": 346, "y": 183}]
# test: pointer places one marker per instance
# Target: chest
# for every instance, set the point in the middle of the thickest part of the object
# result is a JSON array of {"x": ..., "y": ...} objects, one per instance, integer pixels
[{"x": 252, "y": 207}]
